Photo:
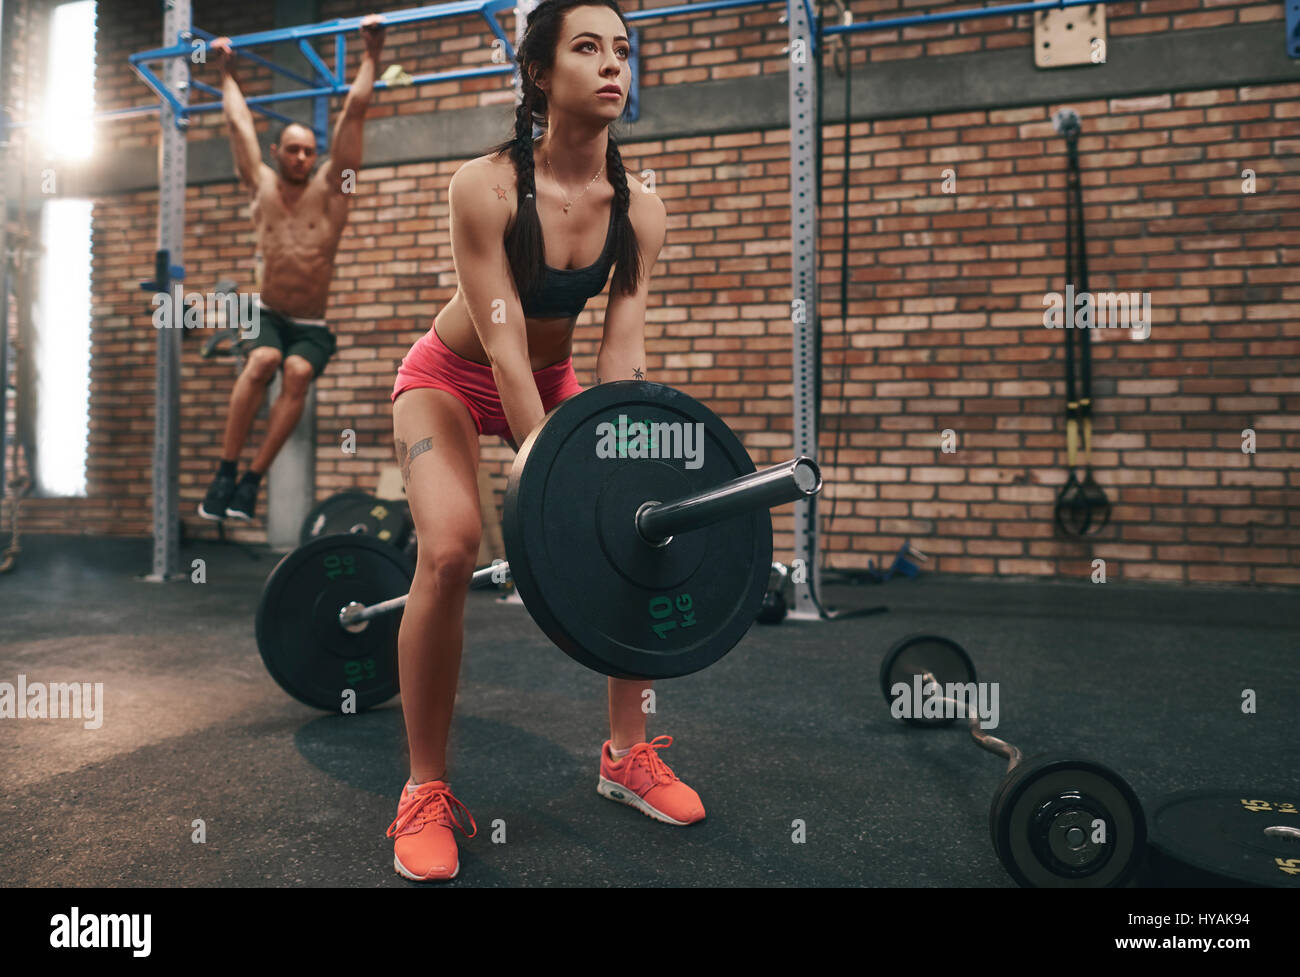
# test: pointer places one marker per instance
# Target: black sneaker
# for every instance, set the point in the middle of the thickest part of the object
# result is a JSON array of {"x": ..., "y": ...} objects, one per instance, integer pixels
[
  {"x": 244, "y": 501},
  {"x": 214, "y": 503}
]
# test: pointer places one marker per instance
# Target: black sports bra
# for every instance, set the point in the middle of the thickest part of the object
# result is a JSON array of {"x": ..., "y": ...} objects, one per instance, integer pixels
[{"x": 563, "y": 292}]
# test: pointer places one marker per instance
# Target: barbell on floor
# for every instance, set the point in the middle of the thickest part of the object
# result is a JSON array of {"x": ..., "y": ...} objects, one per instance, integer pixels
[
  {"x": 658, "y": 522},
  {"x": 1056, "y": 821},
  {"x": 623, "y": 582}
]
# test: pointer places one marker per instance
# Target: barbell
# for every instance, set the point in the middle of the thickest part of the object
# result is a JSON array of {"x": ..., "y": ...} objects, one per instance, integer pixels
[
  {"x": 637, "y": 534},
  {"x": 655, "y": 522},
  {"x": 1056, "y": 821}
]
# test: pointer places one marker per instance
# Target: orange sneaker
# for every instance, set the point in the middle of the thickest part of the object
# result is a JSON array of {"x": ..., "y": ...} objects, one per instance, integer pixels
[
  {"x": 642, "y": 780},
  {"x": 425, "y": 849}
]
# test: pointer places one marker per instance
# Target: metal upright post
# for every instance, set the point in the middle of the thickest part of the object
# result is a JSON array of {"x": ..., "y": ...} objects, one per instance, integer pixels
[
  {"x": 803, "y": 268},
  {"x": 169, "y": 264}
]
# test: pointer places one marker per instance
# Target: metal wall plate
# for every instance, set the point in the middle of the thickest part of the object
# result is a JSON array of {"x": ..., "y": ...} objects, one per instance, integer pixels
[{"x": 1072, "y": 36}]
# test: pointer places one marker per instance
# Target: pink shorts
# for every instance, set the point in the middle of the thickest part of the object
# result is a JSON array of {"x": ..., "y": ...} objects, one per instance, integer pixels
[{"x": 430, "y": 364}]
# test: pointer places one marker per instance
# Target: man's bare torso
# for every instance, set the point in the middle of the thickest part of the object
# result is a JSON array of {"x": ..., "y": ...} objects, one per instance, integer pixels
[{"x": 298, "y": 232}]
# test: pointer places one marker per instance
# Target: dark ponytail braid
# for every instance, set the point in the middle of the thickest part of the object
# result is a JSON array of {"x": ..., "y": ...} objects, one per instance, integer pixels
[
  {"x": 627, "y": 271},
  {"x": 524, "y": 241}
]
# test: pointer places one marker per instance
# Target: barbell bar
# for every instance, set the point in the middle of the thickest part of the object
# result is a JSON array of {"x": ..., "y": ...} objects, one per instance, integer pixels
[{"x": 658, "y": 522}]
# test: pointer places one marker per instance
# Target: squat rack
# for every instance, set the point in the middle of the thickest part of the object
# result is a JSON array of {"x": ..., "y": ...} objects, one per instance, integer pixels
[{"x": 180, "y": 39}]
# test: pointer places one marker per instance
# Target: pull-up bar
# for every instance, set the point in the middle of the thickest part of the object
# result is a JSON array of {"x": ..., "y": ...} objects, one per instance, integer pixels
[{"x": 339, "y": 29}]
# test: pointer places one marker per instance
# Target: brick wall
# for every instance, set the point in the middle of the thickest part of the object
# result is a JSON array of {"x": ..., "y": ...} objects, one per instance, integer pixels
[{"x": 945, "y": 300}]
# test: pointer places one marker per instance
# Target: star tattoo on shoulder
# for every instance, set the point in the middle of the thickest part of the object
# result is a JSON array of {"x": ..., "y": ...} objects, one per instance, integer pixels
[{"x": 501, "y": 192}]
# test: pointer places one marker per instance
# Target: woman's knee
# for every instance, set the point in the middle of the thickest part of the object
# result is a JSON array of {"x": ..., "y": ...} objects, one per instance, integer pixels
[{"x": 450, "y": 563}]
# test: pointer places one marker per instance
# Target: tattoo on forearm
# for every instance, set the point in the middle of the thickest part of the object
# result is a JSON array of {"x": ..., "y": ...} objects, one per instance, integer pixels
[
  {"x": 638, "y": 373},
  {"x": 405, "y": 457}
]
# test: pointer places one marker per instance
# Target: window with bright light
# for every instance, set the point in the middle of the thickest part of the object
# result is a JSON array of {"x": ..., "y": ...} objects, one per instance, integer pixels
[
  {"x": 67, "y": 129},
  {"x": 61, "y": 314},
  {"x": 61, "y": 320}
]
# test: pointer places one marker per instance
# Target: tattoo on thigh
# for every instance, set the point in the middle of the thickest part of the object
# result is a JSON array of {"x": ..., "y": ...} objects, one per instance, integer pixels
[{"x": 405, "y": 457}]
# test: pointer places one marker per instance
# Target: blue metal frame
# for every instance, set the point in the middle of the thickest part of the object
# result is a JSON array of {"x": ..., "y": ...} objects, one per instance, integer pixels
[
  {"x": 329, "y": 82},
  {"x": 326, "y": 83},
  {"x": 258, "y": 59},
  {"x": 333, "y": 83}
]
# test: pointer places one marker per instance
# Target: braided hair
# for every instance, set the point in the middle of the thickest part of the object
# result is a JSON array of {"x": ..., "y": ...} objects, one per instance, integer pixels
[{"x": 524, "y": 240}]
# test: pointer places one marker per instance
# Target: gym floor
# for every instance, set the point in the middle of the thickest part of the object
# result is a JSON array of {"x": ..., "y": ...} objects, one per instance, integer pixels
[{"x": 790, "y": 726}]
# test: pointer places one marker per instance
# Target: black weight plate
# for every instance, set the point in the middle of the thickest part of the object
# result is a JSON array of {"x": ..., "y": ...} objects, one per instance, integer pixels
[
  {"x": 1041, "y": 820},
  {"x": 916, "y": 654},
  {"x": 379, "y": 518},
  {"x": 609, "y": 600},
  {"x": 305, "y": 649},
  {"x": 314, "y": 524},
  {"x": 1217, "y": 838}
]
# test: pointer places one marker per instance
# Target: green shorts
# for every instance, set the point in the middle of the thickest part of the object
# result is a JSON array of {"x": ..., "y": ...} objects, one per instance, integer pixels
[{"x": 314, "y": 343}]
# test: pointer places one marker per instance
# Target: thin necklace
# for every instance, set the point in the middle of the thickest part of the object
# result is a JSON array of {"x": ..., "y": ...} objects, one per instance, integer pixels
[{"x": 584, "y": 190}]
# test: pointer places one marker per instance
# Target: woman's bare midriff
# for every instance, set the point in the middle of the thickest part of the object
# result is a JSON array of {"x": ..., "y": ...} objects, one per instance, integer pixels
[{"x": 550, "y": 341}]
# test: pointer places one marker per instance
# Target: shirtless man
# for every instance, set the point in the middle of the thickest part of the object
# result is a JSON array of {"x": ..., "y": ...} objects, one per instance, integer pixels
[{"x": 299, "y": 218}]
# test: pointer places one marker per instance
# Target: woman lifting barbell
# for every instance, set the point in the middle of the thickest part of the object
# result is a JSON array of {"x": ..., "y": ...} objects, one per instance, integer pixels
[{"x": 496, "y": 360}]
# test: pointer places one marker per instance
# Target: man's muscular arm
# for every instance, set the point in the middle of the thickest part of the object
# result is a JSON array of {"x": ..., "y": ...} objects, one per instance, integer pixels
[
  {"x": 345, "y": 149},
  {"x": 239, "y": 120}
]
